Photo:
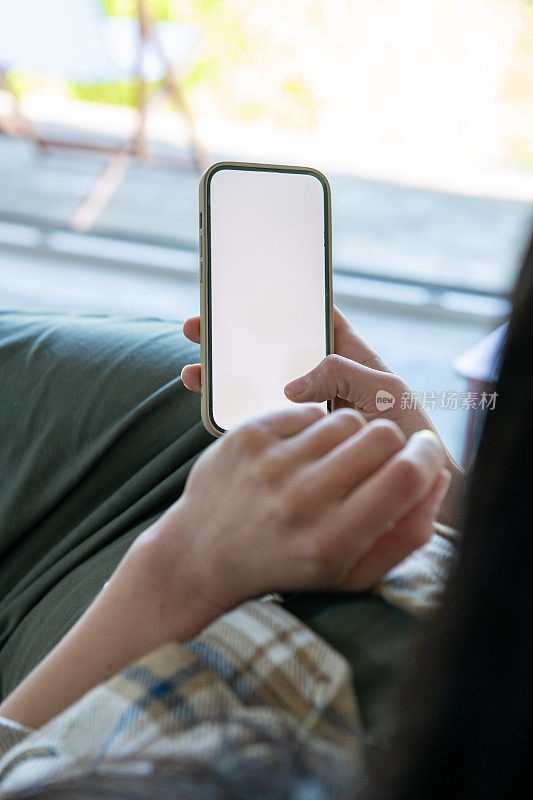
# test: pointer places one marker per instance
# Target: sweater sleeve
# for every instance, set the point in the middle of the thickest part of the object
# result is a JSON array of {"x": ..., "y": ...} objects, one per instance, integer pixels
[{"x": 417, "y": 584}]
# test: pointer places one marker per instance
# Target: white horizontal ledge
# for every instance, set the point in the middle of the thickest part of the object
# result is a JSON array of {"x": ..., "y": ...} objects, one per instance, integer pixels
[{"x": 150, "y": 258}]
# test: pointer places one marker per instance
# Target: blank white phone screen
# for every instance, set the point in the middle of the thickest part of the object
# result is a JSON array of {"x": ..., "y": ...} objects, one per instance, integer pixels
[{"x": 268, "y": 288}]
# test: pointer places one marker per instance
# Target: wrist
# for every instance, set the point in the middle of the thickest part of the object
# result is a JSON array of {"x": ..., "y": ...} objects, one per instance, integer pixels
[
  {"x": 158, "y": 569},
  {"x": 133, "y": 614}
]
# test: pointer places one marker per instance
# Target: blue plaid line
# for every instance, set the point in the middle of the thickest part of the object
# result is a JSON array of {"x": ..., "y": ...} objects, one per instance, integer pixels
[
  {"x": 213, "y": 660},
  {"x": 158, "y": 690}
]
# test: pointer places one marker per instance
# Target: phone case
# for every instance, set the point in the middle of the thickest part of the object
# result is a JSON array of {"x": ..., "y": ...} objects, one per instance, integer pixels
[{"x": 205, "y": 273}]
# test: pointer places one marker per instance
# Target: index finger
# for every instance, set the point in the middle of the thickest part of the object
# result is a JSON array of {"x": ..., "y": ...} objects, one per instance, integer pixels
[
  {"x": 191, "y": 329},
  {"x": 350, "y": 345}
]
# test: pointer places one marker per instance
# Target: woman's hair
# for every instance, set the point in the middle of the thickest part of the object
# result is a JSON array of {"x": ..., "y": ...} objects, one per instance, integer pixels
[{"x": 463, "y": 729}]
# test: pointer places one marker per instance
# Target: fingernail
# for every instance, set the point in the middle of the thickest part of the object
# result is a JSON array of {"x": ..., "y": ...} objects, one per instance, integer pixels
[
  {"x": 297, "y": 386},
  {"x": 425, "y": 436}
]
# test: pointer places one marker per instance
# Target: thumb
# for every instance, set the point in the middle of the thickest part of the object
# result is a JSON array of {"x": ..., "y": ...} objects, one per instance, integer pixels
[{"x": 337, "y": 376}]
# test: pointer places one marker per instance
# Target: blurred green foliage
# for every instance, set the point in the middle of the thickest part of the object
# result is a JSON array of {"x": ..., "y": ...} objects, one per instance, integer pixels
[
  {"x": 300, "y": 92},
  {"x": 204, "y": 69},
  {"x": 121, "y": 93},
  {"x": 228, "y": 52},
  {"x": 159, "y": 9}
]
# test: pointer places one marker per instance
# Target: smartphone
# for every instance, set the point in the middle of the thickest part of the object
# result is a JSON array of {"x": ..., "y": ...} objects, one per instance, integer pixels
[{"x": 265, "y": 286}]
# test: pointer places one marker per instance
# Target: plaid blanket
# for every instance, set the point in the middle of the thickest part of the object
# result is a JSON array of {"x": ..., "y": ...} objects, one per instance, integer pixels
[{"x": 258, "y": 663}]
